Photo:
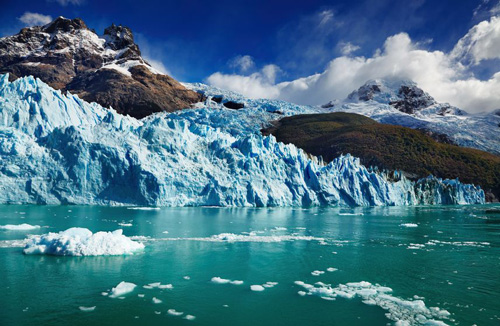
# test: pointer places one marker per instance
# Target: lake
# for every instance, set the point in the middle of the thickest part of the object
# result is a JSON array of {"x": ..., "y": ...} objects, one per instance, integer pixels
[{"x": 441, "y": 256}]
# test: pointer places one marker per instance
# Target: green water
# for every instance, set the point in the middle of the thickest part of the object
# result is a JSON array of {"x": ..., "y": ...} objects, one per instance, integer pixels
[{"x": 47, "y": 290}]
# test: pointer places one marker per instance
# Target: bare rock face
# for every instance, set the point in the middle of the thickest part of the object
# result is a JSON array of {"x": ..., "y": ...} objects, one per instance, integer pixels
[{"x": 106, "y": 69}]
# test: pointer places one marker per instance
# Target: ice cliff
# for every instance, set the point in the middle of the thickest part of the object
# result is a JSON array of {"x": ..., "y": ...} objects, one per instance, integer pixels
[{"x": 58, "y": 149}]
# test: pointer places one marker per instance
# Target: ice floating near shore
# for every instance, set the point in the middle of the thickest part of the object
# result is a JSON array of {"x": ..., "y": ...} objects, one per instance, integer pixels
[
  {"x": 403, "y": 312},
  {"x": 82, "y": 242},
  {"x": 19, "y": 227},
  {"x": 409, "y": 225},
  {"x": 219, "y": 280},
  {"x": 121, "y": 289},
  {"x": 87, "y": 309}
]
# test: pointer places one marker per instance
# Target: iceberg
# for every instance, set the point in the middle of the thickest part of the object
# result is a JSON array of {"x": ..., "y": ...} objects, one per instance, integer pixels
[
  {"x": 121, "y": 289},
  {"x": 19, "y": 227},
  {"x": 59, "y": 149},
  {"x": 81, "y": 242}
]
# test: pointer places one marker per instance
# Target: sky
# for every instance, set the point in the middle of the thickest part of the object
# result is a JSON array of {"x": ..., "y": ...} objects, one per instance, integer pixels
[{"x": 307, "y": 52}]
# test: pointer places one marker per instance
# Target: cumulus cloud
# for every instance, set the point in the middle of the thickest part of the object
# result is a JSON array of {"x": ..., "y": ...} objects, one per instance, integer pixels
[
  {"x": 348, "y": 48},
  {"x": 242, "y": 63},
  {"x": 33, "y": 19},
  {"x": 437, "y": 72}
]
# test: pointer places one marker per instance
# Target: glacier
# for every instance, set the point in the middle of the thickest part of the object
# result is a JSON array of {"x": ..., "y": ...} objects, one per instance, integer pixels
[{"x": 59, "y": 149}]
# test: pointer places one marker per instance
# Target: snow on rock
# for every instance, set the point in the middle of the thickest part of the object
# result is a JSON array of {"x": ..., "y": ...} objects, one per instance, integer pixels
[
  {"x": 58, "y": 149},
  {"x": 82, "y": 242},
  {"x": 403, "y": 312},
  {"x": 121, "y": 289},
  {"x": 19, "y": 227}
]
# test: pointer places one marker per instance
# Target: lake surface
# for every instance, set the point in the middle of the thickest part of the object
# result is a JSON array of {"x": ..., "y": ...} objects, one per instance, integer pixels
[{"x": 450, "y": 260}]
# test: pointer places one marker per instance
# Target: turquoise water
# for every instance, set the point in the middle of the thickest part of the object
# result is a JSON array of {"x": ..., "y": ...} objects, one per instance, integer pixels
[{"x": 454, "y": 272}]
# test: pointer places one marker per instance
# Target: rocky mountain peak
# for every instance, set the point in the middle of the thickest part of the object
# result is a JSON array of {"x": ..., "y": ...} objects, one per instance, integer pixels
[
  {"x": 64, "y": 25},
  {"x": 107, "y": 69}
]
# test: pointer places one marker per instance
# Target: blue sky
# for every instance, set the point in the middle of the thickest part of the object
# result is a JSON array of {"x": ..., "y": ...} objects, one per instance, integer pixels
[{"x": 195, "y": 39}]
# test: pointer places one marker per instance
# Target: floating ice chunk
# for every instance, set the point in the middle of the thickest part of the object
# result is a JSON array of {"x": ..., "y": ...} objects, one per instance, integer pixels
[
  {"x": 219, "y": 280},
  {"x": 165, "y": 232},
  {"x": 173, "y": 312},
  {"x": 157, "y": 312},
  {"x": 144, "y": 208},
  {"x": 87, "y": 309},
  {"x": 317, "y": 273},
  {"x": 331, "y": 269},
  {"x": 156, "y": 300},
  {"x": 252, "y": 237},
  {"x": 105, "y": 294},
  {"x": 121, "y": 289},
  {"x": 19, "y": 227},
  {"x": 82, "y": 242},
  {"x": 403, "y": 312},
  {"x": 187, "y": 277},
  {"x": 165, "y": 286},
  {"x": 409, "y": 225},
  {"x": 237, "y": 282},
  {"x": 141, "y": 295},
  {"x": 125, "y": 224},
  {"x": 154, "y": 285},
  {"x": 302, "y": 293},
  {"x": 270, "y": 284},
  {"x": 278, "y": 228},
  {"x": 257, "y": 288},
  {"x": 147, "y": 287},
  {"x": 190, "y": 317}
]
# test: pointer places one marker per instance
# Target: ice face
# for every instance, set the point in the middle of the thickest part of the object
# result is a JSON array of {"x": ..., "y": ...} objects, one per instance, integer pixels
[
  {"x": 81, "y": 242},
  {"x": 57, "y": 149}
]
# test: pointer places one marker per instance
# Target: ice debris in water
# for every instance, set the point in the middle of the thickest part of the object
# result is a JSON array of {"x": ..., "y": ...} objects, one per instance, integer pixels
[
  {"x": 121, "y": 289},
  {"x": 19, "y": 227},
  {"x": 87, "y": 309},
  {"x": 220, "y": 158},
  {"x": 409, "y": 225},
  {"x": 232, "y": 237},
  {"x": 173, "y": 312},
  {"x": 82, "y": 242},
  {"x": 156, "y": 300},
  {"x": 317, "y": 273},
  {"x": 219, "y": 280},
  {"x": 331, "y": 269},
  {"x": 257, "y": 288},
  {"x": 190, "y": 317},
  {"x": 403, "y": 312}
]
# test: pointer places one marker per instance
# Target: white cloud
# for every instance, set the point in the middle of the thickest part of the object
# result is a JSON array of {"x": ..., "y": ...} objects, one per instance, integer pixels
[
  {"x": 158, "y": 65},
  {"x": 325, "y": 16},
  {"x": 348, "y": 48},
  {"x": 242, "y": 63},
  {"x": 33, "y": 18},
  {"x": 68, "y": 2},
  {"x": 482, "y": 42},
  {"x": 435, "y": 71}
]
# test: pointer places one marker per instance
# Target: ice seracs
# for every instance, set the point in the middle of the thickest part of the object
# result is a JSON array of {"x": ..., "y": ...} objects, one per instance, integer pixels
[
  {"x": 82, "y": 242},
  {"x": 58, "y": 149}
]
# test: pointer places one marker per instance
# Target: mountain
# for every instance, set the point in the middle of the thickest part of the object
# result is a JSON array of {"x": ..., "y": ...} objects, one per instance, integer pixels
[
  {"x": 106, "y": 69},
  {"x": 390, "y": 147},
  {"x": 403, "y": 103},
  {"x": 59, "y": 149}
]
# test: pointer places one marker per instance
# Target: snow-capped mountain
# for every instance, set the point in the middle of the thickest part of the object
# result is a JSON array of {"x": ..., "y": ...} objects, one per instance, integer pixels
[
  {"x": 403, "y": 103},
  {"x": 106, "y": 69},
  {"x": 60, "y": 149}
]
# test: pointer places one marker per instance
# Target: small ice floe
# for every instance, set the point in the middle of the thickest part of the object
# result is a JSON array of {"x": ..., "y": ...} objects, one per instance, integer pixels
[
  {"x": 270, "y": 284},
  {"x": 219, "y": 280},
  {"x": 351, "y": 214},
  {"x": 19, "y": 227},
  {"x": 403, "y": 312},
  {"x": 121, "y": 289},
  {"x": 125, "y": 224},
  {"x": 144, "y": 208},
  {"x": 317, "y": 273},
  {"x": 187, "y": 277},
  {"x": 253, "y": 237},
  {"x": 165, "y": 232},
  {"x": 141, "y": 295},
  {"x": 154, "y": 285},
  {"x": 82, "y": 242},
  {"x": 278, "y": 228},
  {"x": 257, "y": 288},
  {"x": 156, "y": 300},
  {"x": 147, "y": 287},
  {"x": 409, "y": 225},
  {"x": 165, "y": 286},
  {"x": 173, "y": 312},
  {"x": 105, "y": 294},
  {"x": 157, "y": 312},
  {"x": 331, "y": 269},
  {"x": 87, "y": 309},
  {"x": 190, "y": 317}
]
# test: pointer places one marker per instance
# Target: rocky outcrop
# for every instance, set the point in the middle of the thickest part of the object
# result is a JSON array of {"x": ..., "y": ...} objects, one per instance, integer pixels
[{"x": 107, "y": 69}]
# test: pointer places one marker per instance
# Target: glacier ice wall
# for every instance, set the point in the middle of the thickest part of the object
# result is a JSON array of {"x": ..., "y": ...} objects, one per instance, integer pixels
[{"x": 58, "y": 149}]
